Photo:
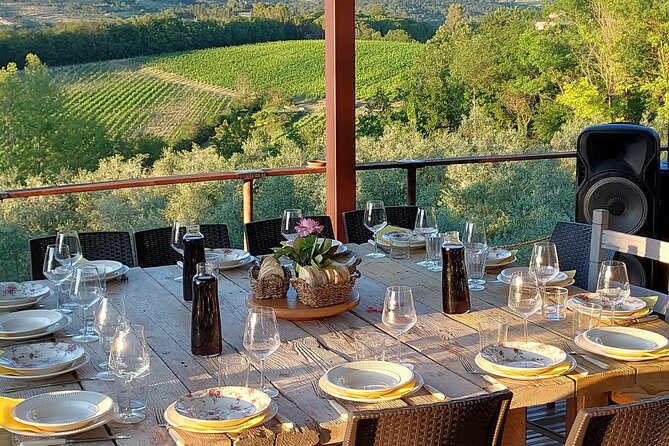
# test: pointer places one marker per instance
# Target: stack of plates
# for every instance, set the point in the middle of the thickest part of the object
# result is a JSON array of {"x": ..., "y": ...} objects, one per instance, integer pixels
[
  {"x": 417, "y": 240},
  {"x": 42, "y": 360},
  {"x": 15, "y": 295},
  {"x": 31, "y": 324},
  {"x": 61, "y": 413},
  {"x": 370, "y": 381},
  {"x": 112, "y": 269},
  {"x": 525, "y": 361},
  {"x": 220, "y": 410},
  {"x": 229, "y": 258},
  {"x": 564, "y": 278},
  {"x": 498, "y": 257},
  {"x": 624, "y": 343},
  {"x": 630, "y": 308}
]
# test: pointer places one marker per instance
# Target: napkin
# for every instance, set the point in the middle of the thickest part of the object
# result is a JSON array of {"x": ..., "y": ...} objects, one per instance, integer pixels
[
  {"x": 570, "y": 276},
  {"x": 7, "y": 421},
  {"x": 558, "y": 370},
  {"x": 247, "y": 424},
  {"x": 650, "y": 303},
  {"x": 383, "y": 394},
  {"x": 6, "y": 371}
]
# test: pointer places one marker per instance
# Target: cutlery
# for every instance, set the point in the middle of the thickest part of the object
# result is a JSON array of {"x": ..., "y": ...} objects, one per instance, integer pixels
[
  {"x": 174, "y": 435},
  {"x": 570, "y": 351},
  {"x": 436, "y": 394},
  {"x": 642, "y": 320},
  {"x": 341, "y": 410},
  {"x": 469, "y": 368},
  {"x": 66, "y": 441},
  {"x": 34, "y": 386}
]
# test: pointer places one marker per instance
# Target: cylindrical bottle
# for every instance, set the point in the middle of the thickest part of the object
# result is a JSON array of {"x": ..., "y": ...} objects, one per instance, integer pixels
[
  {"x": 454, "y": 287},
  {"x": 205, "y": 329},
  {"x": 193, "y": 254}
]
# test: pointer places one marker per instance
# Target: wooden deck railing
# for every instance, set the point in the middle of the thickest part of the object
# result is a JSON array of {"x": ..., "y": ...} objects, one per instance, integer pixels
[{"x": 248, "y": 176}]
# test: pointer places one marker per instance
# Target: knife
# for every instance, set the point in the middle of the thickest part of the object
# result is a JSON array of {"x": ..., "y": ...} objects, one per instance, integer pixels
[
  {"x": 642, "y": 320},
  {"x": 66, "y": 441}
]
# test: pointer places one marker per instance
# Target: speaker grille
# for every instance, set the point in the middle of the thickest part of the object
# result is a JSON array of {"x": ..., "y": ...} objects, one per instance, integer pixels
[{"x": 624, "y": 199}]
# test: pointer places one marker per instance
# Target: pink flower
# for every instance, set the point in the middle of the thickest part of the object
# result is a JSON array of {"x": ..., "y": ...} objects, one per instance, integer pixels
[{"x": 308, "y": 226}]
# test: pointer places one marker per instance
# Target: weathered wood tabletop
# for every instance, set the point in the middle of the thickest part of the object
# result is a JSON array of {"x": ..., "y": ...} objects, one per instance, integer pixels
[{"x": 434, "y": 345}]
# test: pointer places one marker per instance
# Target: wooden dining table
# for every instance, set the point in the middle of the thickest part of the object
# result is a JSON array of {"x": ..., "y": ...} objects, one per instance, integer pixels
[{"x": 309, "y": 348}]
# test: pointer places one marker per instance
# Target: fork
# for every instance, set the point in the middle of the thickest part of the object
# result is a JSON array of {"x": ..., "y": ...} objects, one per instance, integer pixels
[
  {"x": 469, "y": 368},
  {"x": 341, "y": 410},
  {"x": 570, "y": 351},
  {"x": 161, "y": 422}
]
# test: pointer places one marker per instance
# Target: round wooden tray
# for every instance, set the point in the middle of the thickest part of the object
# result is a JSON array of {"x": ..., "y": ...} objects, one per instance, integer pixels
[{"x": 292, "y": 309}]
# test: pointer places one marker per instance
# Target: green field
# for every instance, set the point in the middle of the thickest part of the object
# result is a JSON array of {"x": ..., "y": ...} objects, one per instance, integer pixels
[{"x": 294, "y": 67}]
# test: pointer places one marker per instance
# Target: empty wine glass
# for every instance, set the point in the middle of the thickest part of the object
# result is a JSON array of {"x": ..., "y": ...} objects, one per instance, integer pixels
[
  {"x": 613, "y": 285},
  {"x": 288, "y": 222},
  {"x": 524, "y": 296},
  {"x": 261, "y": 339},
  {"x": 176, "y": 241},
  {"x": 426, "y": 223},
  {"x": 375, "y": 219},
  {"x": 86, "y": 290},
  {"x": 57, "y": 268},
  {"x": 544, "y": 263},
  {"x": 71, "y": 239},
  {"x": 129, "y": 359},
  {"x": 110, "y": 314},
  {"x": 475, "y": 241},
  {"x": 399, "y": 314}
]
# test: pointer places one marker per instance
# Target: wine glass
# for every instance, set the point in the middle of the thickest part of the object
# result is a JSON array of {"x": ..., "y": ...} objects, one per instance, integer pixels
[
  {"x": 261, "y": 339},
  {"x": 399, "y": 314},
  {"x": 57, "y": 268},
  {"x": 475, "y": 241},
  {"x": 129, "y": 359},
  {"x": 71, "y": 239},
  {"x": 544, "y": 263},
  {"x": 176, "y": 241},
  {"x": 110, "y": 314},
  {"x": 426, "y": 223},
  {"x": 288, "y": 222},
  {"x": 524, "y": 296},
  {"x": 375, "y": 220},
  {"x": 613, "y": 285},
  {"x": 86, "y": 289}
]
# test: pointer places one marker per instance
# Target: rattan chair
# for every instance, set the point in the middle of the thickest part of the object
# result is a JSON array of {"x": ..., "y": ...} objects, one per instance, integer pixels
[
  {"x": 154, "y": 249},
  {"x": 356, "y": 232},
  {"x": 105, "y": 245},
  {"x": 573, "y": 246},
  {"x": 475, "y": 421},
  {"x": 635, "y": 424},
  {"x": 263, "y": 235}
]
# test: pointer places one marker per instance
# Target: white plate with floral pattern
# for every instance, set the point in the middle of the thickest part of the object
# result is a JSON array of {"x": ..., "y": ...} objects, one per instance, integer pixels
[
  {"x": 629, "y": 305},
  {"x": 174, "y": 419},
  {"x": 40, "y": 358},
  {"x": 83, "y": 360},
  {"x": 220, "y": 405},
  {"x": 531, "y": 356},
  {"x": 16, "y": 293},
  {"x": 7, "y": 307},
  {"x": 27, "y": 322},
  {"x": 230, "y": 256},
  {"x": 64, "y": 322}
]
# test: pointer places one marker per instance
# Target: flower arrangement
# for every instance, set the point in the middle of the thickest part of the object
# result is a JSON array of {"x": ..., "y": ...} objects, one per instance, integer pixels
[{"x": 308, "y": 249}]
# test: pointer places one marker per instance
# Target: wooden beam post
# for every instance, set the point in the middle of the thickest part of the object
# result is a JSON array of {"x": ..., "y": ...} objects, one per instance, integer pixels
[{"x": 340, "y": 109}]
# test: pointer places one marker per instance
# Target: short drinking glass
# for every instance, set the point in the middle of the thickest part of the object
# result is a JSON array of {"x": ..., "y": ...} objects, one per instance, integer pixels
[
  {"x": 586, "y": 316},
  {"x": 370, "y": 346},
  {"x": 400, "y": 245},
  {"x": 554, "y": 307},
  {"x": 233, "y": 370},
  {"x": 492, "y": 331}
]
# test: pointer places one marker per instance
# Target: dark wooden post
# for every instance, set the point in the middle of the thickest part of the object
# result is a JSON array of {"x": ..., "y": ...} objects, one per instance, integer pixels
[
  {"x": 340, "y": 109},
  {"x": 411, "y": 186}
]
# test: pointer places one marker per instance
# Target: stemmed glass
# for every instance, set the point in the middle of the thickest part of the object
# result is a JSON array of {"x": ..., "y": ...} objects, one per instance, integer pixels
[
  {"x": 399, "y": 314},
  {"x": 613, "y": 285},
  {"x": 129, "y": 359},
  {"x": 426, "y": 223},
  {"x": 475, "y": 241},
  {"x": 176, "y": 241},
  {"x": 71, "y": 240},
  {"x": 261, "y": 339},
  {"x": 524, "y": 296},
  {"x": 86, "y": 289},
  {"x": 288, "y": 222},
  {"x": 544, "y": 263},
  {"x": 110, "y": 314},
  {"x": 375, "y": 220},
  {"x": 57, "y": 268}
]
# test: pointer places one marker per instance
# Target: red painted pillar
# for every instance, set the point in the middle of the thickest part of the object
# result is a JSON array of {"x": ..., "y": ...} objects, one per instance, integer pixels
[{"x": 340, "y": 109}]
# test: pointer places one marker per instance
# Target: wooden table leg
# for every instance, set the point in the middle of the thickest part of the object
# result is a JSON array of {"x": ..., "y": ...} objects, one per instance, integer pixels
[
  {"x": 576, "y": 404},
  {"x": 514, "y": 428}
]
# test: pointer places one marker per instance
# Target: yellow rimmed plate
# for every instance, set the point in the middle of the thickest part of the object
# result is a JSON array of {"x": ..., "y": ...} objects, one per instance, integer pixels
[
  {"x": 412, "y": 387},
  {"x": 179, "y": 422},
  {"x": 566, "y": 367}
]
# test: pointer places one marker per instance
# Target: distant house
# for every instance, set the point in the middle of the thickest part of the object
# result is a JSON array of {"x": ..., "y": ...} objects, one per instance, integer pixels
[
  {"x": 553, "y": 19},
  {"x": 246, "y": 14}
]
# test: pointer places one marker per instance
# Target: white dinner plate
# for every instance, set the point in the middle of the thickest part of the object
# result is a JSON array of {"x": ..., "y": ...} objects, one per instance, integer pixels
[
  {"x": 623, "y": 316},
  {"x": 484, "y": 365},
  {"x": 62, "y": 411},
  {"x": 175, "y": 420},
  {"x": 497, "y": 255},
  {"x": 230, "y": 256},
  {"x": 417, "y": 240},
  {"x": 93, "y": 424},
  {"x": 508, "y": 272},
  {"x": 625, "y": 340},
  {"x": 327, "y": 388},
  {"x": 507, "y": 280},
  {"x": 17, "y": 293},
  {"x": 40, "y": 358},
  {"x": 27, "y": 322},
  {"x": 594, "y": 348},
  {"x": 497, "y": 265},
  {"x": 629, "y": 305},
  {"x": 110, "y": 268},
  {"x": 64, "y": 322},
  {"x": 517, "y": 356},
  {"x": 7, "y": 307},
  {"x": 76, "y": 365},
  {"x": 368, "y": 377},
  {"x": 217, "y": 406},
  {"x": 243, "y": 262}
]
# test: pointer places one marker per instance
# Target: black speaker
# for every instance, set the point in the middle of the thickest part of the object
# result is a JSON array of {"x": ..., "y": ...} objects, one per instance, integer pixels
[{"x": 618, "y": 169}]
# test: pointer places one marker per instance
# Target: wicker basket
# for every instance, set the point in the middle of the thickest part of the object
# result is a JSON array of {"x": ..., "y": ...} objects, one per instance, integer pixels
[
  {"x": 326, "y": 295},
  {"x": 269, "y": 289}
]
